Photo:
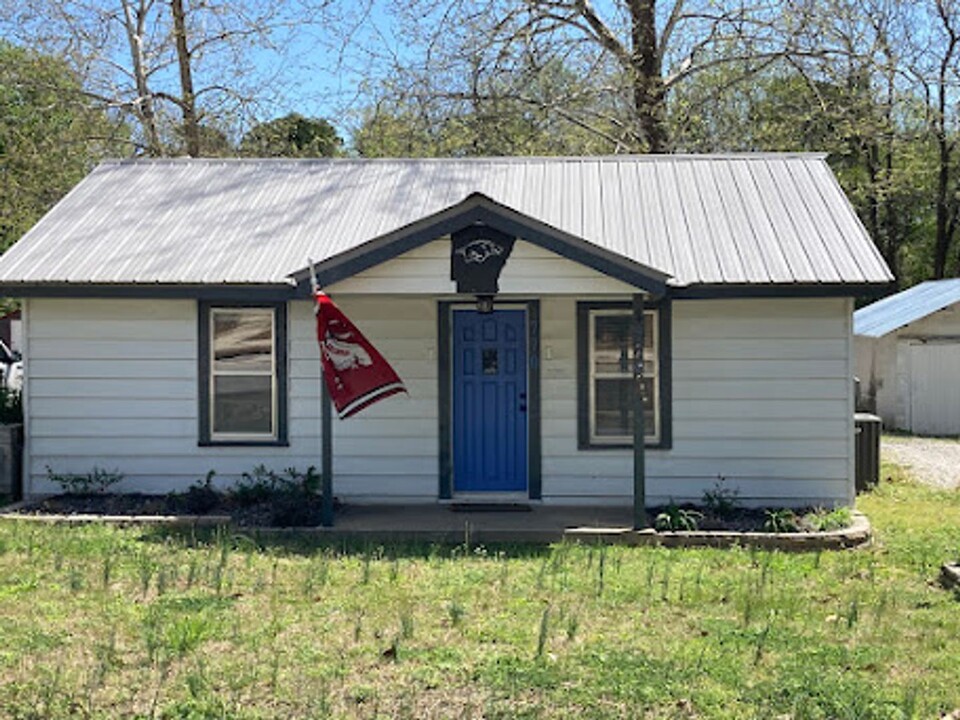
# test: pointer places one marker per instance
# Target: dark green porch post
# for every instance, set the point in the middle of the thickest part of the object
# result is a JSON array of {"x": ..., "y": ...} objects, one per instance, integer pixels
[
  {"x": 326, "y": 432},
  {"x": 639, "y": 460}
]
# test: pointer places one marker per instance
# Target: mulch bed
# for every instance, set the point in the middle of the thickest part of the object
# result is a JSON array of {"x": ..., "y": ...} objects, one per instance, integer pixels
[
  {"x": 299, "y": 510},
  {"x": 281, "y": 511},
  {"x": 738, "y": 520}
]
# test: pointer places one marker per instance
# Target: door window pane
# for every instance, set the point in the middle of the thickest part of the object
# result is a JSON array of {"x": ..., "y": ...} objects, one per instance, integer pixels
[{"x": 490, "y": 361}]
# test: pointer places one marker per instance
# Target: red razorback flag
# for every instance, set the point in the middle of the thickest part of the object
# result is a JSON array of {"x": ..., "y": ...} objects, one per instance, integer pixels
[{"x": 357, "y": 375}]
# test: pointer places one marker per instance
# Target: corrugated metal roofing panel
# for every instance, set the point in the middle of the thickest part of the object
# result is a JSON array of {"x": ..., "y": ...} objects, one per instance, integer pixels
[
  {"x": 776, "y": 267},
  {"x": 897, "y": 311},
  {"x": 744, "y": 219}
]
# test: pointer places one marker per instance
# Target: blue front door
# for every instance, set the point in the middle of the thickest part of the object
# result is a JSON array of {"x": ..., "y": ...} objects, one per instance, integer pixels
[{"x": 489, "y": 401}]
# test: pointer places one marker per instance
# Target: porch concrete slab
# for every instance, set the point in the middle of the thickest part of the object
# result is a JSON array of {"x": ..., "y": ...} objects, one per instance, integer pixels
[{"x": 441, "y": 523}]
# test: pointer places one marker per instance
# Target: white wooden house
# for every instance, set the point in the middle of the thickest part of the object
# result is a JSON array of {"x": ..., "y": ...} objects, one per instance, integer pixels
[
  {"x": 168, "y": 326},
  {"x": 908, "y": 358}
]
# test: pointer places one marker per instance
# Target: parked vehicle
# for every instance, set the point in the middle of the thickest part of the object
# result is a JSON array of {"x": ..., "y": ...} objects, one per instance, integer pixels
[{"x": 11, "y": 368}]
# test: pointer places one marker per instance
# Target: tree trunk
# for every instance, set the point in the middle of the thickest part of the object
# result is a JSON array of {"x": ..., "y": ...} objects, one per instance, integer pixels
[
  {"x": 649, "y": 99},
  {"x": 891, "y": 219},
  {"x": 942, "y": 239},
  {"x": 188, "y": 102},
  {"x": 133, "y": 21},
  {"x": 945, "y": 224}
]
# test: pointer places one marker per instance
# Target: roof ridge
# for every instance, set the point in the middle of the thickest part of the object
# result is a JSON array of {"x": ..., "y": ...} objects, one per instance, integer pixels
[{"x": 504, "y": 159}]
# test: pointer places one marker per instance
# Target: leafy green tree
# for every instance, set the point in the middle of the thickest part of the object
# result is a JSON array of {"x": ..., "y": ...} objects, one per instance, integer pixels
[
  {"x": 50, "y": 137},
  {"x": 292, "y": 136}
]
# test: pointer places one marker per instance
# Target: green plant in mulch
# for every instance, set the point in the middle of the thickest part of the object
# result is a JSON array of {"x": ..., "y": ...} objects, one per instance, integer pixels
[
  {"x": 823, "y": 520},
  {"x": 781, "y": 520},
  {"x": 720, "y": 500},
  {"x": 289, "y": 499},
  {"x": 294, "y": 496},
  {"x": 95, "y": 482},
  {"x": 201, "y": 497},
  {"x": 675, "y": 518}
]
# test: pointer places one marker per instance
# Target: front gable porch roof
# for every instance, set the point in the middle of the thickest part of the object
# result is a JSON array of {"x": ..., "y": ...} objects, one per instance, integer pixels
[
  {"x": 479, "y": 209},
  {"x": 743, "y": 222}
]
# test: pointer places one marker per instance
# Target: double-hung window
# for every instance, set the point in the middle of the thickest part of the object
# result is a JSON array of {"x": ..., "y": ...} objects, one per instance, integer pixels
[
  {"x": 243, "y": 374},
  {"x": 606, "y": 374}
]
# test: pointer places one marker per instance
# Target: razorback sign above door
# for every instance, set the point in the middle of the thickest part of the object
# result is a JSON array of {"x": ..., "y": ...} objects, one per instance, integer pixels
[{"x": 477, "y": 256}]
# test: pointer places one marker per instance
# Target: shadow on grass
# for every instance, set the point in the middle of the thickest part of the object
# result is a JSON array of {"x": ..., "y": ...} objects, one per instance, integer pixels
[{"x": 292, "y": 542}]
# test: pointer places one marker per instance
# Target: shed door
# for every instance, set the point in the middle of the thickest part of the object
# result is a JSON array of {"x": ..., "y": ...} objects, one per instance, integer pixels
[
  {"x": 489, "y": 401},
  {"x": 935, "y": 388}
]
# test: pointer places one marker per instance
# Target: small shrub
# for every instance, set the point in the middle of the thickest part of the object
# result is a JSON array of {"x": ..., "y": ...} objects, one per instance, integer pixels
[
  {"x": 821, "y": 520},
  {"x": 307, "y": 482},
  {"x": 720, "y": 500},
  {"x": 94, "y": 482},
  {"x": 675, "y": 518},
  {"x": 781, "y": 520},
  {"x": 255, "y": 487},
  {"x": 294, "y": 498},
  {"x": 201, "y": 497}
]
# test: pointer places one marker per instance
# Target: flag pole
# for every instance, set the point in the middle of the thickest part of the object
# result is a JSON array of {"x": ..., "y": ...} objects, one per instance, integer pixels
[{"x": 326, "y": 427}]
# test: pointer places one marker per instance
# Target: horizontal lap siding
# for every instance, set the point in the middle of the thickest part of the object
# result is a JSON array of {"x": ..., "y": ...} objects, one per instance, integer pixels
[
  {"x": 761, "y": 396},
  {"x": 114, "y": 384},
  {"x": 427, "y": 270}
]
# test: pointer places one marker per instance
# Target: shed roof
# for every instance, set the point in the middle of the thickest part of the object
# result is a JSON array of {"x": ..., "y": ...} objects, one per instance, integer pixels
[
  {"x": 896, "y": 311},
  {"x": 699, "y": 220}
]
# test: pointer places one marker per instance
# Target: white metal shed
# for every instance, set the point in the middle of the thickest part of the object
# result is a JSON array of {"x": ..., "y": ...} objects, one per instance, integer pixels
[{"x": 908, "y": 358}]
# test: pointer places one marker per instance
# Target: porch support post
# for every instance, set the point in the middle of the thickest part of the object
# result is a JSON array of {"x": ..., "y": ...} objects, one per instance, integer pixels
[
  {"x": 326, "y": 432},
  {"x": 639, "y": 460}
]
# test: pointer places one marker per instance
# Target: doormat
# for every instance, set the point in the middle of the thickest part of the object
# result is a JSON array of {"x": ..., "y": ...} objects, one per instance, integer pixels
[{"x": 490, "y": 507}]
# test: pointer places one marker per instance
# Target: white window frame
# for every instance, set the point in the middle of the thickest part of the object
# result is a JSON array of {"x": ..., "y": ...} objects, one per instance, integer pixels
[
  {"x": 650, "y": 357},
  {"x": 213, "y": 373}
]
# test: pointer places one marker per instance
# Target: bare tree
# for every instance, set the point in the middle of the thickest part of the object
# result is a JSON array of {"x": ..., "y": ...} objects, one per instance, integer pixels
[
  {"x": 630, "y": 55},
  {"x": 175, "y": 68}
]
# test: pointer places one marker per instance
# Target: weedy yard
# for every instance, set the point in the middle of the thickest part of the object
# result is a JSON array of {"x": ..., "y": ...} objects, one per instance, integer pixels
[{"x": 102, "y": 622}]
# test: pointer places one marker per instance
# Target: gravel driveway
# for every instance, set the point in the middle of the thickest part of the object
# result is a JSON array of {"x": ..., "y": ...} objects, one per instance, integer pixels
[{"x": 934, "y": 461}]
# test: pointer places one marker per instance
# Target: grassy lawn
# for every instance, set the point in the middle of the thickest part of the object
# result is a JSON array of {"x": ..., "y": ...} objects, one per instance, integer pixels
[{"x": 104, "y": 622}]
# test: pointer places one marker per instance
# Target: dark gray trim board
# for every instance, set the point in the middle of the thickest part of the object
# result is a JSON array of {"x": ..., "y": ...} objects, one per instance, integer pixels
[
  {"x": 203, "y": 374},
  {"x": 445, "y": 378},
  {"x": 664, "y": 310},
  {"x": 478, "y": 208},
  {"x": 346, "y": 268},
  {"x": 779, "y": 290},
  {"x": 165, "y": 291},
  {"x": 639, "y": 440},
  {"x": 534, "y": 410}
]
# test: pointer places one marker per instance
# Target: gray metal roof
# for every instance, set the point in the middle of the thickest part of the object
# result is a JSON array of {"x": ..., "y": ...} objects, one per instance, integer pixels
[
  {"x": 744, "y": 219},
  {"x": 896, "y": 311}
]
